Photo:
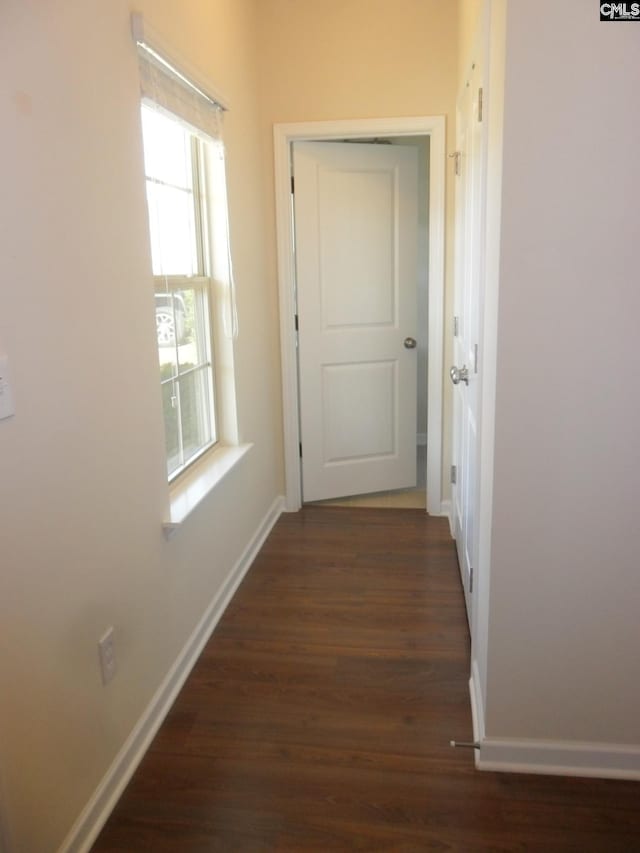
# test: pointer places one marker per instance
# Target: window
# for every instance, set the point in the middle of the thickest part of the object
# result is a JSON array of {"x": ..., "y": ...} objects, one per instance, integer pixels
[
  {"x": 194, "y": 293},
  {"x": 175, "y": 168}
]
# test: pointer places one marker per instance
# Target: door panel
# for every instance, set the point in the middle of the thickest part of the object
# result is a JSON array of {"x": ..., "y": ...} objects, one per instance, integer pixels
[
  {"x": 356, "y": 249},
  {"x": 359, "y": 406},
  {"x": 355, "y": 208},
  {"x": 467, "y": 300}
]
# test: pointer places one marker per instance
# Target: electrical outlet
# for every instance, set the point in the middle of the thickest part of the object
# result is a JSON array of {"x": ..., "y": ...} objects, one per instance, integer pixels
[
  {"x": 6, "y": 397},
  {"x": 107, "y": 653}
]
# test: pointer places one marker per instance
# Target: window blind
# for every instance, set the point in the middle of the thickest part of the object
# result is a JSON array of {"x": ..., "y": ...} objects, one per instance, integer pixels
[
  {"x": 165, "y": 85},
  {"x": 168, "y": 85}
]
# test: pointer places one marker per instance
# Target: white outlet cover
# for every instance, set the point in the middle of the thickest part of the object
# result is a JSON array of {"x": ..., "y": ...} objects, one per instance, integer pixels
[
  {"x": 107, "y": 654},
  {"x": 7, "y": 409}
]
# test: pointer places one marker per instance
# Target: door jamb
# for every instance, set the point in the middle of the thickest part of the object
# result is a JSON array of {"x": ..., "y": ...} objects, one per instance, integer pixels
[{"x": 283, "y": 136}]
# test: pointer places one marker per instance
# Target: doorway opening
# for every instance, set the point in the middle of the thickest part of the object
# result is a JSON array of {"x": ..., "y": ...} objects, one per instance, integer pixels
[{"x": 426, "y": 136}]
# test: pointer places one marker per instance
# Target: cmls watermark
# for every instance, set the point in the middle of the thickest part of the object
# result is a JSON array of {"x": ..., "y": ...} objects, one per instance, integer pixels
[{"x": 620, "y": 11}]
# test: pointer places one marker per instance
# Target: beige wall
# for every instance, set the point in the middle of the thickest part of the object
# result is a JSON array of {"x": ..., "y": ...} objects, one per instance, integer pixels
[
  {"x": 565, "y": 586},
  {"x": 469, "y": 15},
  {"x": 357, "y": 58},
  {"x": 340, "y": 59},
  {"x": 81, "y": 464}
]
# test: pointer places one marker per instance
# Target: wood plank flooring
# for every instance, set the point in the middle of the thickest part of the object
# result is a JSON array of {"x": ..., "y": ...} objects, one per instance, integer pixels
[{"x": 318, "y": 718}]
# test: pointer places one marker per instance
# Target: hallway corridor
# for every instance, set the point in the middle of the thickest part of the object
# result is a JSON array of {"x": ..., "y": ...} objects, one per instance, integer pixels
[{"x": 320, "y": 713}]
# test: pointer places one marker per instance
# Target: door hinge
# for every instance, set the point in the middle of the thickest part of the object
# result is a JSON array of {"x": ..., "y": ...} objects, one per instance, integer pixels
[
  {"x": 480, "y": 104},
  {"x": 475, "y": 357},
  {"x": 454, "y": 474},
  {"x": 293, "y": 185},
  {"x": 470, "y": 581},
  {"x": 295, "y": 320},
  {"x": 300, "y": 448},
  {"x": 456, "y": 326}
]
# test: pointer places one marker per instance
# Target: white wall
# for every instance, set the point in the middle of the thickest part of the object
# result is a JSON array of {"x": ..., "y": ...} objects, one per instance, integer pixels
[
  {"x": 82, "y": 480},
  {"x": 565, "y": 586}
]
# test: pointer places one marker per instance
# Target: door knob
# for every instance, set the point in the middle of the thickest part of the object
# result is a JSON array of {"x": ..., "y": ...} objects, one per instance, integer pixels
[
  {"x": 459, "y": 374},
  {"x": 410, "y": 343}
]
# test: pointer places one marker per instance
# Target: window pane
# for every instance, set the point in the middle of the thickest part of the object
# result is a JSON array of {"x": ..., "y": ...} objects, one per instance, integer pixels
[
  {"x": 173, "y": 229},
  {"x": 176, "y": 171},
  {"x": 167, "y": 149},
  {"x": 195, "y": 348},
  {"x": 171, "y": 409},
  {"x": 195, "y": 410},
  {"x": 170, "y": 324}
]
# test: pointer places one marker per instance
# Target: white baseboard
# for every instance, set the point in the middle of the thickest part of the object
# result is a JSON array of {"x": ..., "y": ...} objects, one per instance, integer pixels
[
  {"x": 93, "y": 817},
  {"x": 559, "y": 758},
  {"x": 445, "y": 512},
  {"x": 553, "y": 758}
]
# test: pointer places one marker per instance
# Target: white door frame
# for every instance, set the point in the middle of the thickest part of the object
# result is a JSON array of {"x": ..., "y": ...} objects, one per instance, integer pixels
[{"x": 283, "y": 136}]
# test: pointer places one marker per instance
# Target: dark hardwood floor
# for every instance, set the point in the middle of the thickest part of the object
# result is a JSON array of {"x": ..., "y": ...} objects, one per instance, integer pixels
[{"x": 319, "y": 716}]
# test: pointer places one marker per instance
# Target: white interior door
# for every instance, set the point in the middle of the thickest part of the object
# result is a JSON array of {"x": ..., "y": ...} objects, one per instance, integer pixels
[
  {"x": 356, "y": 224},
  {"x": 465, "y": 370}
]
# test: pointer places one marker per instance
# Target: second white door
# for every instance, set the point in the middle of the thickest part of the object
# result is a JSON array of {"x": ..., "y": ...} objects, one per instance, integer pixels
[
  {"x": 356, "y": 212},
  {"x": 467, "y": 300}
]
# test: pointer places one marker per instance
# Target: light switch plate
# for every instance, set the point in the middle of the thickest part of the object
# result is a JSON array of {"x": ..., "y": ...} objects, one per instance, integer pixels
[{"x": 6, "y": 397}]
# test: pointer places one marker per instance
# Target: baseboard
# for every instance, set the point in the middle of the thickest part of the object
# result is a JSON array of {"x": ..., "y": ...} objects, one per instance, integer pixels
[
  {"x": 93, "y": 817},
  {"x": 445, "y": 512},
  {"x": 553, "y": 758},
  {"x": 559, "y": 758}
]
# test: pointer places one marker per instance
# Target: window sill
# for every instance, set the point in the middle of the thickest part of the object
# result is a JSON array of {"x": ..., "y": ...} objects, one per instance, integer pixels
[{"x": 185, "y": 495}]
